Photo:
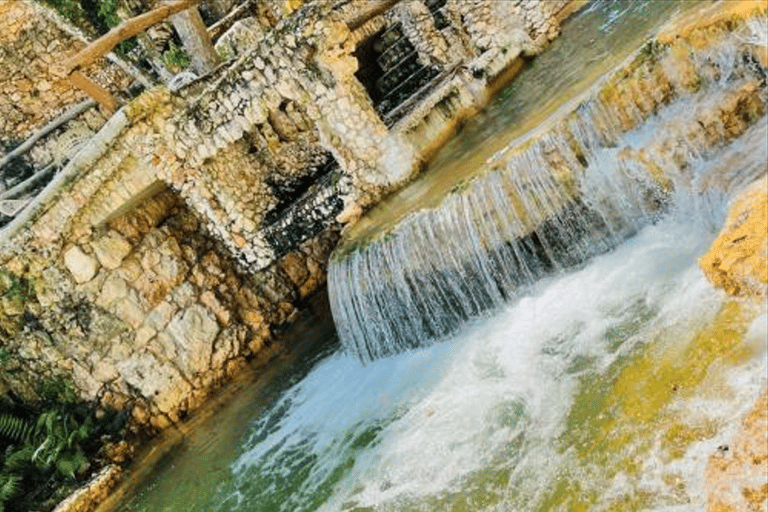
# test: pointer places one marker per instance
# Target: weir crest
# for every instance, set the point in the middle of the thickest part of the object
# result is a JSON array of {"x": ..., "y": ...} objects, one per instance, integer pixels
[{"x": 596, "y": 171}]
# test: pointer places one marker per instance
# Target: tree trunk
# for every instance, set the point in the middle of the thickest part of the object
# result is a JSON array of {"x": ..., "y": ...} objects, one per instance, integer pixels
[{"x": 191, "y": 29}]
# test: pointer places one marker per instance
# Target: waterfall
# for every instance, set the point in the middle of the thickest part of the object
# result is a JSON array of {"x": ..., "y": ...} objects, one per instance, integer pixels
[{"x": 589, "y": 179}]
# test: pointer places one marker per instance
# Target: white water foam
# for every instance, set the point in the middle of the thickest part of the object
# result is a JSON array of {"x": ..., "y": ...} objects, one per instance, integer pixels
[{"x": 497, "y": 395}]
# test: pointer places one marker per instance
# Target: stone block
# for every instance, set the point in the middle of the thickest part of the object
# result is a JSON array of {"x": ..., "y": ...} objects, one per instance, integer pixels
[
  {"x": 82, "y": 267},
  {"x": 111, "y": 250},
  {"x": 159, "y": 317},
  {"x": 193, "y": 331},
  {"x": 129, "y": 311},
  {"x": 157, "y": 381},
  {"x": 114, "y": 289}
]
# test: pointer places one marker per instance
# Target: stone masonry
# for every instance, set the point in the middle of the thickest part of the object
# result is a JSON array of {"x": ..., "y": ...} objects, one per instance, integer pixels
[{"x": 196, "y": 221}]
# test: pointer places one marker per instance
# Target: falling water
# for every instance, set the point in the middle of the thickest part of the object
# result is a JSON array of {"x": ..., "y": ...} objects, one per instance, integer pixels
[
  {"x": 577, "y": 186},
  {"x": 585, "y": 362}
]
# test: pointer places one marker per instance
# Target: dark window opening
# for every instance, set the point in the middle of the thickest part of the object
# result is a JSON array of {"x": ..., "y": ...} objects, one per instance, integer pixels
[
  {"x": 369, "y": 70},
  {"x": 290, "y": 191},
  {"x": 390, "y": 71}
]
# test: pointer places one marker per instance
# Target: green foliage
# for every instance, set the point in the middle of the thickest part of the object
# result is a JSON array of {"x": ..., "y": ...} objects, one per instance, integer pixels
[
  {"x": 15, "y": 428},
  {"x": 5, "y": 356},
  {"x": 175, "y": 58},
  {"x": 95, "y": 17},
  {"x": 48, "y": 447},
  {"x": 9, "y": 486},
  {"x": 15, "y": 287},
  {"x": 108, "y": 12},
  {"x": 71, "y": 10},
  {"x": 57, "y": 389}
]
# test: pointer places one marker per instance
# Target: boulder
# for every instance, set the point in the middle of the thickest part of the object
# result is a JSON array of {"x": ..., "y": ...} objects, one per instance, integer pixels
[
  {"x": 737, "y": 262},
  {"x": 81, "y": 266}
]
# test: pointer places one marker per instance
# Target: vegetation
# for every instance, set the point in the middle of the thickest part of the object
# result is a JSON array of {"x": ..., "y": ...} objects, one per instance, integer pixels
[
  {"x": 176, "y": 59},
  {"x": 95, "y": 17},
  {"x": 47, "y": 448}
]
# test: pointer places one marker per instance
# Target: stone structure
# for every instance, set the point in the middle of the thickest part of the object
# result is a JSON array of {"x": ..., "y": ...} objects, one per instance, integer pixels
[
  {"x": 197, "y": 219},
  {"x": 195, "y": 222},
  {"x": 31, "y": 90},
  {"x": 737, "y": 262}
]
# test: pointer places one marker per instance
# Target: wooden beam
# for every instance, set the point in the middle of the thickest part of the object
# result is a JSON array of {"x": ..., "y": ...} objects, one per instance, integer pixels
[
  {"x": 191, "y": 30},
  {"x": 126, "y": 30},
  {"x": 372, "y": 9},
  {"x": 94, "y": 90}
]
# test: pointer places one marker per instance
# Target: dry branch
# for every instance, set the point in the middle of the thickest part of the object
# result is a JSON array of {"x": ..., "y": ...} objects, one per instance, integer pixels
[
  {"x": 45, "y": 130},
  {"x": 216, "y": 30},
  {"x": 28, "y": 184}
]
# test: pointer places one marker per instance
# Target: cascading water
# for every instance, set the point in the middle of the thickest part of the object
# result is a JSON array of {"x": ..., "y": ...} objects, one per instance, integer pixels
[
  {"x": 545, "y": 202},
  {"x": 585, "y": 362}
]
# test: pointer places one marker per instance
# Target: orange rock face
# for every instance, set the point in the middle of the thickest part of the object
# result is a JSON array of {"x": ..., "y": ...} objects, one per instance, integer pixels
[
  {"x": 737, "y": 475},
  {"x": 737, "y": 262}
]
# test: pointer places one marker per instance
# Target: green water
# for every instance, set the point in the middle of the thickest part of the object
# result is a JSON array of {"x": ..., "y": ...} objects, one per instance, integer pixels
[{"x": 594, "y": 42}]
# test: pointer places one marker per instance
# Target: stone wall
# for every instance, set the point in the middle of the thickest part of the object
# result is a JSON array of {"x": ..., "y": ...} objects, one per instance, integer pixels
[
  {"x": 146, "y": 311},
  {"x": 31, "y": 91},
  {"x": 198, "y": 219}
]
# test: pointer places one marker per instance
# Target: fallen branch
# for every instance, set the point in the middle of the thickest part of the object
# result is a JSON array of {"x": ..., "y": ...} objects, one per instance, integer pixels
[
  {"x": 45, "y": 130},
  {"x": 29, "y": 183},
  {"x": 87, "y": 156}
]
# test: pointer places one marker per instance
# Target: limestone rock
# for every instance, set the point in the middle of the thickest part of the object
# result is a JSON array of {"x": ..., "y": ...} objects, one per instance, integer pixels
[
  {"x": 155, "y": 380},
  {"x": 736, "y": 474},
  {"x": 114, "y": 289},
  {"x": 738, "y": 260},
  {"x": 193, "y": 331},
  {"x": 82, "y": 266},
  {"x": 111, "y": 250}
]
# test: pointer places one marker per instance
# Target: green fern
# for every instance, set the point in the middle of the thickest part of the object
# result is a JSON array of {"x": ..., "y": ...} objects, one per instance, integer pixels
[
  {"x": 17, "y": 459},
  {"x": 9, "y": 485},
  {"x": 15, "y": 428}
]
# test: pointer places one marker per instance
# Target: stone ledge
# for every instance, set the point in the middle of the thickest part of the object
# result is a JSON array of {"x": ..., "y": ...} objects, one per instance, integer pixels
[{"x": 737, "y": 262}]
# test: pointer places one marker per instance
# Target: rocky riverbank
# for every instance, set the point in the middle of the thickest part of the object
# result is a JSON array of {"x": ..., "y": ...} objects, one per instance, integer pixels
[{"x": 737, "y": 262}]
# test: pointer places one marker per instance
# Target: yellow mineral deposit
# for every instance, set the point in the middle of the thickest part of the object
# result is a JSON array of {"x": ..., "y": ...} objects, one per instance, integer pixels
[
  {"x": 737, "y": 473},
  {"x": 737, "y": 262}
]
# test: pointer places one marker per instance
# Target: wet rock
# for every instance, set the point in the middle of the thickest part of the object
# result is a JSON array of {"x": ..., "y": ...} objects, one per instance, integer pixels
[
  {"x": 736, "y": 473},
  {"x": 737, "y": 262},
  {"x": 93, "y": 493}
]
